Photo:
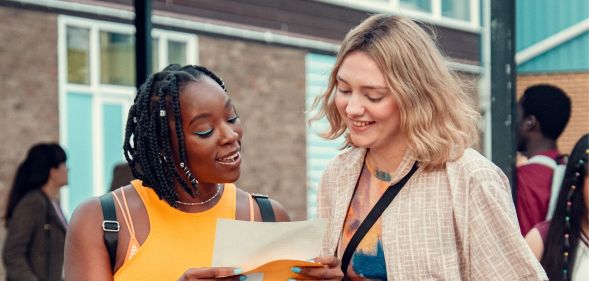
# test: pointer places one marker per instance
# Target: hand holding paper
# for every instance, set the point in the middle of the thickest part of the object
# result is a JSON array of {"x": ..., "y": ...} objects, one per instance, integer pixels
[{"x": 268, "y": 248}]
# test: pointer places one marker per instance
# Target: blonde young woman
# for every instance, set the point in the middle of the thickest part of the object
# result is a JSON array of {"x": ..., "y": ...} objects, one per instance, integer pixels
[{"x": 407, "y": 119}]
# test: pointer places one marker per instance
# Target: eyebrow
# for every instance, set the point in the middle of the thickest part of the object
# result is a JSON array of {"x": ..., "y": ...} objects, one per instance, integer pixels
[
  {"x": 367, "y": 87},
  {"x": 208, "y": 114}
]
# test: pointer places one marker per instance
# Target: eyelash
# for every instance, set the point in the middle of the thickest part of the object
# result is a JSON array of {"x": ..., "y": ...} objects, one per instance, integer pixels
[
  {"x": 209, "y": 132},
  {"x": 373, "y": 99}
]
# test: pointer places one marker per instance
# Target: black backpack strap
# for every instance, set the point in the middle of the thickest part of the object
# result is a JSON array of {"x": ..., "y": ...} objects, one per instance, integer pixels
[
  {"x": 384, "y": 201},
  {"x": 265, "y": 207},
  {"x": 110, "y": 226}
]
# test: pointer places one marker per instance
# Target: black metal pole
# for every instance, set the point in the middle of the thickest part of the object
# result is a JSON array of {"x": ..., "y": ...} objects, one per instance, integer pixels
[
  {"x": 142, "y": 40},
  {"x": 503, "y": 74}
]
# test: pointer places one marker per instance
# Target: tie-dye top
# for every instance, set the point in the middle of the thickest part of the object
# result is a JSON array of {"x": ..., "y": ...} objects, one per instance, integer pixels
[{"x": 367, "y": 262}]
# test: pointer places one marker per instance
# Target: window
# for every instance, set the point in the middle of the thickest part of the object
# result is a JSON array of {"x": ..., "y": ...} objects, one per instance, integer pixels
[
  {"x": 420, "y": 5},
  {"x": 458, "y": 9},
  {"x": 117, "y": 58},
  {"x": 78, "y": 55},
  {"x": 96, "y": 89},
  {"x": 458, "y": 14}
]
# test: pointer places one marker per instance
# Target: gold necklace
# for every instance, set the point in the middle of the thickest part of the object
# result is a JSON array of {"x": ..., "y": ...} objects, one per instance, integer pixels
[{"x": 203, "y": 202}]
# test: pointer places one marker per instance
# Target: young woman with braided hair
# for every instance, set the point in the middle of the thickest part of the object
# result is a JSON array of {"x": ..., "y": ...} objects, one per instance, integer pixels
[
  {"x": 562, "y": 244},
  {"x": 182, "y": 143}
]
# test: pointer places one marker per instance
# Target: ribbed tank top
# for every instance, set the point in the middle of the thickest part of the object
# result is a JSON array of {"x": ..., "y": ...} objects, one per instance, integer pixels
[{"x": 177, "y": 240}]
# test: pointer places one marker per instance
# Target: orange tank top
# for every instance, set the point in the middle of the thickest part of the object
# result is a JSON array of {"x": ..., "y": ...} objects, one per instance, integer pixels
[{"x": 177, "y": 240}]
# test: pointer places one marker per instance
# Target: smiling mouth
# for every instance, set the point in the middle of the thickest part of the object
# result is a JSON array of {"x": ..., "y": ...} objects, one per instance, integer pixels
[
  {"x": 361, "y": 123},
  {"x": 230, "y": 159}
]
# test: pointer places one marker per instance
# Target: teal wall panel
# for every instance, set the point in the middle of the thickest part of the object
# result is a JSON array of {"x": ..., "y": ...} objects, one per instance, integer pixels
[
  {"x": 79, "y": 146},
  {"x": 572, "y": 56},
  {"x": 538, "y": 19},
  {"x": 112, "y": 128},
  {"x": 319, "y": 150}
]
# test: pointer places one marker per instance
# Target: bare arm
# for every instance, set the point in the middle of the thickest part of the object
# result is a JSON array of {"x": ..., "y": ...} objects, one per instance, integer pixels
[
  {"x": 279, "y": 211},
  {"x": 86, "y": 257},
  {"x": 535, "y": 242}
]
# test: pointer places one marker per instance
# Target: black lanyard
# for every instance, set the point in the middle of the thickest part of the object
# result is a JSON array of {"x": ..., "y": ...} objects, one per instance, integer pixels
[{"x": 384, "y": 201}]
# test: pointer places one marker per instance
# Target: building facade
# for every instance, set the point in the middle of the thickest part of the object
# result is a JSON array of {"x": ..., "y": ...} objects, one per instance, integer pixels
[{"x": 552, "y": 41}]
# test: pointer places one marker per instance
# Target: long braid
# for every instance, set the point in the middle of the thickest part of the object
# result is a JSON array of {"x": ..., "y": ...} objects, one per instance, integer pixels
[{"x": 147, "y": 146}]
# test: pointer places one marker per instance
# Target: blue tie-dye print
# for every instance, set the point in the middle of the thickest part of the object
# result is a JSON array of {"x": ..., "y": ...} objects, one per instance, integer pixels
[{"x": 368, "y": 266}]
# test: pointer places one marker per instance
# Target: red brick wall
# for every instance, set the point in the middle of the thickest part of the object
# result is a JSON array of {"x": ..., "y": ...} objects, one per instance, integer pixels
[
  {"x": 267, "y": 85},
  {"x": 28, "y": 79},
  {"x": 576, "y": 85}
]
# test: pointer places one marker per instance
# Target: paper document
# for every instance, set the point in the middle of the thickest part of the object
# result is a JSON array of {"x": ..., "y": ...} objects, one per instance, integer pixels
[{"x": 270, "y": 248}]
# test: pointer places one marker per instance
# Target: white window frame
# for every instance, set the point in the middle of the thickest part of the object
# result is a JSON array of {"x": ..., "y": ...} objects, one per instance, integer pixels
[
  {"x": 104, "y": 93},
  {"x": 434, "y": 17}
]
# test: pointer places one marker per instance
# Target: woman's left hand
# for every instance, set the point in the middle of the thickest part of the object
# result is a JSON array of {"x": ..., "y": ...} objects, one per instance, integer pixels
[{"x": 329, "y": 271}]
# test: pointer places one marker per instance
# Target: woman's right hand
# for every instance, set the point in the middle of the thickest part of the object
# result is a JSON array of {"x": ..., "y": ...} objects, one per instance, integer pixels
[
  {"x": 212, "y": 273},
  {"x": 329, "y": 271}
]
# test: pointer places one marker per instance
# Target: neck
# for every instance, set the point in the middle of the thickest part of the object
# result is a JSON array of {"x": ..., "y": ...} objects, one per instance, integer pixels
[
  {"x": 538, "y": 146},
  {"x": 388, "y": 158},
  {"x": 51, "y": 190}
]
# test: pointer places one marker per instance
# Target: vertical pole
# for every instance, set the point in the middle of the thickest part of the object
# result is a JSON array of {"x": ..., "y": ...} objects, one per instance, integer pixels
[
  {"x": 503, "y": 74},
  {"x": 143, "y": 9}
]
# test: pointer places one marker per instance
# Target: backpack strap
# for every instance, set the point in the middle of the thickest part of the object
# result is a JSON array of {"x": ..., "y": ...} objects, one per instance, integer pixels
[
  {"x": 382, "y": 203},
  {"x": 543, "y": 160},
  {"x": 265, "y": 207},
  {"x": 110, "y": 226}
]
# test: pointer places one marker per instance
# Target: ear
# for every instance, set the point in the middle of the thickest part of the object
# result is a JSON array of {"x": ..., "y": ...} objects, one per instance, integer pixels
[{"x": 530, "y": 122}]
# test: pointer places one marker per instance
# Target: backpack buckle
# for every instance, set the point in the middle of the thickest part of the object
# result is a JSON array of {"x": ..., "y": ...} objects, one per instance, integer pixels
[{"x": 111, "y": 226}]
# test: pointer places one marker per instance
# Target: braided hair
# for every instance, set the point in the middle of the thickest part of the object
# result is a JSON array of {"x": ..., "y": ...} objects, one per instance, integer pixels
[
  {"x": 147, "y": 146},
  {"x": 565, "y": 229}
]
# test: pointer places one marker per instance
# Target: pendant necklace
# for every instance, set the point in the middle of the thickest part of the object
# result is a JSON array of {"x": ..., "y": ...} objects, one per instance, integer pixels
[{"x": 381, "y": 175}]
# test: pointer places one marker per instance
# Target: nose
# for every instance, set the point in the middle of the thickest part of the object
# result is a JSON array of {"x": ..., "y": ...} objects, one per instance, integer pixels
[
  {"x": 229, "y": 135},
  {"x": 354, "y": 106}
]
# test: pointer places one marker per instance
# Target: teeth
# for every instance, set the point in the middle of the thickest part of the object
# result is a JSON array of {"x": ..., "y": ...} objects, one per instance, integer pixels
[
  {"x": 361, "y": 123},
  {"x": 230, "y": 158}
]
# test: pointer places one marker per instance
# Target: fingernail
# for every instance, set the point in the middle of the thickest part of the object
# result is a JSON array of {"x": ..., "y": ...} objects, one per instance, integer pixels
[
  {"x": 237, "y": 271},
  {"x": 311, "y": 260},
  {"x": 296, "y": 269},
  {"x": 242, "y": 278},
  {"x": 290, "y": 279}
]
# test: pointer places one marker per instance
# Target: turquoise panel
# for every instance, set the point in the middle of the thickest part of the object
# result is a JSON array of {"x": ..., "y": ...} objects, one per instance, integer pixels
[
  {"x": 572, "y": 56},
  {"x": 112, "y": 128},
  {"x": 79, "y": 145},
  {"x": 319, "y": 150},
  {"x": 537, "y": 20}
]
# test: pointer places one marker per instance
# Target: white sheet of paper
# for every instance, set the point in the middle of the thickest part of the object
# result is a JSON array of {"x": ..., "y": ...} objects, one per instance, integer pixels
[{"x": 247, "y": 245}]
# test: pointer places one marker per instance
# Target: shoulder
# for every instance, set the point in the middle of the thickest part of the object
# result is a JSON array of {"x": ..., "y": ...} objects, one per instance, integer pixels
[
  {"x": 344, "y": 159},
  {"x": 34, "y": 200},
  {"x": 33, "y": 196},
  {"x": 471, "y": 164}
]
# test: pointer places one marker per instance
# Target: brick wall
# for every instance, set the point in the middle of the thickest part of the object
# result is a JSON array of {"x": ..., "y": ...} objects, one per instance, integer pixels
[
  {"x": 267, "y": 84},
  {"x": 576, "y": 85},
  {"x": 28, "y": 75}
]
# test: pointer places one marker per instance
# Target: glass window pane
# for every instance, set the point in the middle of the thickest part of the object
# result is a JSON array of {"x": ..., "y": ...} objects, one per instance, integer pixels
[
  {"x": 177, "y": 52},
  {"x": 155, "y": 56},
  {"x": 458, "y": 9},
  {"x": 117, "y": 59},
  {"x": 420, "y": 5},
  {"x": 78, "y": 59}
]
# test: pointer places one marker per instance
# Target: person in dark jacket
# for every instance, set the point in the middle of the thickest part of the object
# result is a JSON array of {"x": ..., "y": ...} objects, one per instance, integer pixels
[{"x": 35, "y": 224}]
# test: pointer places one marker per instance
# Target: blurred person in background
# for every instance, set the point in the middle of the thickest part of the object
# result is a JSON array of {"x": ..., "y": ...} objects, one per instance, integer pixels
[
  {"x": 36, "y": 226},
  {"x": 409, "y": 125},
  {"x": 543, "y": 113},
  {"x": 121, "y": 176},
  {"x": 562, "y": 244}
]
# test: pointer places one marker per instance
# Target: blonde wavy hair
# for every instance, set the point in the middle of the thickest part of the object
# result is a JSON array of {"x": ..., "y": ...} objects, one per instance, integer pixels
[{"x": 438, "y": 116}]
